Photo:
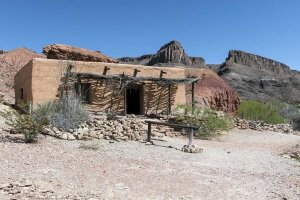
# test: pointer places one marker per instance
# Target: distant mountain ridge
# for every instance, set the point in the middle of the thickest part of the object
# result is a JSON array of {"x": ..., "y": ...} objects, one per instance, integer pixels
[
  {"x": 170, "y": 54},
  {"x": 256, "y": 61},
  {"x": 257, "y": 77}
]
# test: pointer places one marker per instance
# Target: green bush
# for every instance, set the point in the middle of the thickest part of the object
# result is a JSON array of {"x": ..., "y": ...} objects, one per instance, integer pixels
[
  {"x": 257, "y": 110},
  {"x": 207, "y": 120},
  {"x": 66, "y": 113},
  {"x": 25, "y": 122},
  {"x": 288, "y": 111}
]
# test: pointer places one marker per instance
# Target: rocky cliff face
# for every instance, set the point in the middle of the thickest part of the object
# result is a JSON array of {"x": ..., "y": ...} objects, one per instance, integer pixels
[
  {"x": 255, "y": 61},
  {"x": 170, "y": 54},
  {"x": 65, "y": 52},
  {"x": 256, "y": 77},
  {"x": 211, "y": 91}
]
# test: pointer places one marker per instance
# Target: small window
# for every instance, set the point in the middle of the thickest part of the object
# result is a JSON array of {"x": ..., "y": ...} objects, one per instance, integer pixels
[{"x": 22, "y": 94}]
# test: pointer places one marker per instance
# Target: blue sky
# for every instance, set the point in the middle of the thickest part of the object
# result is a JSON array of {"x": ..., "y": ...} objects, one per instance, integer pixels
[{"x": 206, "y": 28}]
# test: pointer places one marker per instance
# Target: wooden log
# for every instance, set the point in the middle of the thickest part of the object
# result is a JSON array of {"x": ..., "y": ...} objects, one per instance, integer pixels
[
  {"x": 149, "y": 132},
  {"x": 191, "y": 135}
]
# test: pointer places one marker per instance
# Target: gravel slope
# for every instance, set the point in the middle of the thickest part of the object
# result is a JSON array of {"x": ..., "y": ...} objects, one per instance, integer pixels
[{"x": 239, "y": 165}]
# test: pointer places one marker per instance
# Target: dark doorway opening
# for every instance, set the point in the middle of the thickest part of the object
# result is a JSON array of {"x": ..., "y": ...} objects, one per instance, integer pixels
[
  {"x": 84, "y": 90},
  {"x": 134, "y": 100}
]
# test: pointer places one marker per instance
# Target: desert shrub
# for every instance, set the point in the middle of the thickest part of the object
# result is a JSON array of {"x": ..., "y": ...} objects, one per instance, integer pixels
[
  {"x": 288, "y": 111},
  {"x": 210, "y": 125},
  {"x": 66, "y": 113},
  {"x": 257, "y": 110},
  {"x": 24, "y": 121}
]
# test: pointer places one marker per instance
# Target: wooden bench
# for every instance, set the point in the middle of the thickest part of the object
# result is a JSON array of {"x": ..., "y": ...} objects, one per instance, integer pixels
[{"x": 191, "y": 134}]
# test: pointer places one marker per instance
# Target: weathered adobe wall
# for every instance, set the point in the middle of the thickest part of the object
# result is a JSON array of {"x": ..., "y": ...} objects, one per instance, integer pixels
[
  {"x": 23, "y": 80},
  {"x": 47, "y": 75}
]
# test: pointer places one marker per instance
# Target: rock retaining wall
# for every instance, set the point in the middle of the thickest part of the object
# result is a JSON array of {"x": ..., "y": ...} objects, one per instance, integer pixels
[
  {"x": 120, "y": 128},
  {"x": 261, "y": 126}
]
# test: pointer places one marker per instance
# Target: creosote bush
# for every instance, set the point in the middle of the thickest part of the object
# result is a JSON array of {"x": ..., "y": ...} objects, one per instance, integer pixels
[
  {"x": 210, "y": 125},
  {"x": 24, "y": 121},
  {"x": 257, "y": 110},
  {"x": 66, "y": 113}
]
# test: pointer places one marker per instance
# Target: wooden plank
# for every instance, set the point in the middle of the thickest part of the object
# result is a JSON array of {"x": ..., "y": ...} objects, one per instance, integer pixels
[{"x": 173, "y": 125}]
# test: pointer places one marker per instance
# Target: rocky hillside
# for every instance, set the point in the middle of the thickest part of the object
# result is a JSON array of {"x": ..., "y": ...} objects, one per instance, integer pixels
[
  {"x": 256, "y": 77},
  {"x": 65, "y": 52},
  {"x": 10, "y": 63},
  {"x": 211, "y": 91},
  {"x": 170, "y": 54}
]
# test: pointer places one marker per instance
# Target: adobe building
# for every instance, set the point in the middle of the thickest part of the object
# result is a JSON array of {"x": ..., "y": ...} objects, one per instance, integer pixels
[{"x": 104, "y": 87}]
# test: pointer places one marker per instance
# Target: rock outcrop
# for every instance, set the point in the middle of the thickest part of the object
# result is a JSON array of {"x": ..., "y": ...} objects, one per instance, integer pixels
[
  {"x": 65, "y": 52},
  {"x": 10, "y": 63},
  {"x": 170, "y": 54},
  {"x": 173, "y": 53},
  {"x": 212, "y": 91},
  {"x": 255, "y": 77},
  {"x": 256, "y": 61}
]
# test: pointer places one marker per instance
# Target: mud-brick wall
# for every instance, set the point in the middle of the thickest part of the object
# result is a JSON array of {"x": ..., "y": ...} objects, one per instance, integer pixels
[{"x": 45, "y": 77}]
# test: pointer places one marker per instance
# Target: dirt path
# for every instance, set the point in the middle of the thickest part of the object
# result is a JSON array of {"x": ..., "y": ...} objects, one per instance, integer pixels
[{"x": 239, "y": 165}]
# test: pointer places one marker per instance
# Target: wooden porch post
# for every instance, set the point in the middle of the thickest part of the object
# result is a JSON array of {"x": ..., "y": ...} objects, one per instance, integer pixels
[
  {"x": 193, "y": 98},
  {"x": 125, "y": 102},
  {"x": 169, "y": 99}
]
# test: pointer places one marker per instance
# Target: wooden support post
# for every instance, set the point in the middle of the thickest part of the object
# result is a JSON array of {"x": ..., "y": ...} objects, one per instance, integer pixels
[
  {"x": 193, "y": 98},
  {"x": 149, "y": 132},
  {"x": 169, "y": 99},
  {"x": 125, "y": 102},
  {"x": 79, "y": 88},
  {"x": 191, "y": 138}
]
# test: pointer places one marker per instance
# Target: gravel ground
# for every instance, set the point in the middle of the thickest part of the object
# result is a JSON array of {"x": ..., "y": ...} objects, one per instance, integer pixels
[{"x": 239, "y": 165}]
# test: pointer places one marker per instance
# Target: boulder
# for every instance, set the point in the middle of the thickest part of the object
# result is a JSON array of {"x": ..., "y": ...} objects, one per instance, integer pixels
[{"x": 65, "y": 52}]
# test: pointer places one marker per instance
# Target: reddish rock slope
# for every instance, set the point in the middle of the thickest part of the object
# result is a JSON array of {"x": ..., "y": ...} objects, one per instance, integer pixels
[
  {"x": 65, "y": 52},
  {"x": 10, "y": 63},
  {"x": 212, "y": 91}
]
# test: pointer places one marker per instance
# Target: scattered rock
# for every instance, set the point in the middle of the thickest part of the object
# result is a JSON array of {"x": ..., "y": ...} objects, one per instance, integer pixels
[{"x": 193, "y": 149}]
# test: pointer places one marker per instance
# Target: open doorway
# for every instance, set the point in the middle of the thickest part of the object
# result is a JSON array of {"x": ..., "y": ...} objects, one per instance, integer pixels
[{"x": 134, "y": 100}]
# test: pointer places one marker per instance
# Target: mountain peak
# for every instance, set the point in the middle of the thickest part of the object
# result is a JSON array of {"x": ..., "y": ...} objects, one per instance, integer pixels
[{"x": 171, "y": 43}]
